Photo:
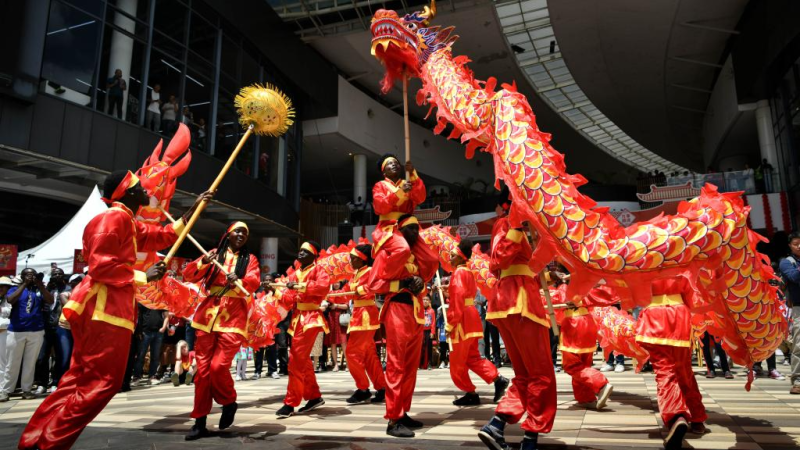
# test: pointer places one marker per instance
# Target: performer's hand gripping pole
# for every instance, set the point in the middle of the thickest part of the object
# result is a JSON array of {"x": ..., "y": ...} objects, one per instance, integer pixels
[{"x": 238, "y": 283}]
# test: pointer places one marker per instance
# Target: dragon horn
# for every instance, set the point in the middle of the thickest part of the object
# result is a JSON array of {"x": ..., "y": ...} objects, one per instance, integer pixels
[
  {"x": 178, "y": 145},
  {"x": 429, "y": 12}
]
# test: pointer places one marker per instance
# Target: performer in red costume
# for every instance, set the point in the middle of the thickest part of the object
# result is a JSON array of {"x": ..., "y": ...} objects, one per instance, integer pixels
[
  {"x": 362, "y": 359},
  {"x": 101, "y": 313},
  {"x": 465, "y": 328},
  {"x": 391, "y": 198},
  {"x": 221, "y": 324},
  {"x": 578, "y": 342},
  {"x": 403, "y": 317},
  {"x": 306, "y": 289},
  {"x": 664, "y": 330},
  {"x": 517, "y": 311}
]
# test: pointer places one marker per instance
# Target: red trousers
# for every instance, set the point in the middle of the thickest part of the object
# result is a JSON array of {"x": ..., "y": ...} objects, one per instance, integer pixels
[
  {"x": 214, "y": 353},
  {"x": 362, "y": 360},
  {"x": 586, "y": 380},
  {"x": 534, "y": 385},
  {"x": 94, "y": 377},
  {"x": 465, "y": 357},
  {"x": 302, "y": 380},
  {"x": 678, "y": 394},
  {"x": 403, "y": 347}
]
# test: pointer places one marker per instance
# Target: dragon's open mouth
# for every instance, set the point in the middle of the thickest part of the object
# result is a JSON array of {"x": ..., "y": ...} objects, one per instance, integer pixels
[{"x": 389, "y": 35}]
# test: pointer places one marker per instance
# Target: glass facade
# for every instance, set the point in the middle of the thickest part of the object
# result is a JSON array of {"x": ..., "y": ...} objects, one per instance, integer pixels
[
  {"x": 785, "y": 109},
  {"x": 157, "y": 63}
]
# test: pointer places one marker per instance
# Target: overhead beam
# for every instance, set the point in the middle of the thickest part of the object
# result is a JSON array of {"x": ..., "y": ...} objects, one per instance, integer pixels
[
  {"x": 696, "y": 61},
  {"x": 709, "y": 28},
  {"x": 690, "y": 109},
  {"x": 690, "y": 88}
]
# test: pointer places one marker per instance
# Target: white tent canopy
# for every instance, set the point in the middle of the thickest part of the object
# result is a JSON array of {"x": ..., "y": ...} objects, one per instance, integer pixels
[{"x": 60, "y": 248}]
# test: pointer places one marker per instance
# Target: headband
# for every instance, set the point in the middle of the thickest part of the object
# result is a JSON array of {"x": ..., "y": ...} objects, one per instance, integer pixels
[
  {"x": 310, "y": 248},
  {"x": 385, "y": 161},
  {"x": 128, "y": 182},
  {"x": 236, "y": 225},
  {"x": 408, "y": 221},
  {"x": 355, "y": 252},
  {"x": 461, "y": 254}
]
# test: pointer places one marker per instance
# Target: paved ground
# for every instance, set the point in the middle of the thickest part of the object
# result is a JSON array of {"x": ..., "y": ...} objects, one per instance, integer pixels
[{"x": 157, "y": 417}]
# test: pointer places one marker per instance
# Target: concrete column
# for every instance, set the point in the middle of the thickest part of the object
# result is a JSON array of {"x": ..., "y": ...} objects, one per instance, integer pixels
[
  {"x": 269, "y": 255},
  {"x": 121, "y": 51},
  {"x": 281, "y": 182},
  {"x": 766, "y": 140},
  {"x": 360, "y": 178}
]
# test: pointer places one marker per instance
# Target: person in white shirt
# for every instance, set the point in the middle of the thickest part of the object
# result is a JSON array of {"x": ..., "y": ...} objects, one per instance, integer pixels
[
  {"x": 5, "y": 313},
  {"x": 152, "y": 119},
  {"x": 169, "y": 111}
]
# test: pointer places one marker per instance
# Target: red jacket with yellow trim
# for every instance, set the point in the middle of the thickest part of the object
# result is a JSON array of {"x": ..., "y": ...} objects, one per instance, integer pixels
[
  {"x": 578, "y": 329},
  {"x": 422, "y": 262},
  {"x": 365, "y": 314},
  {"x": 110, "y": 243},
  {"x": 517, "y": 287},
  {"x": 390, "y": 202},
  {"x": 463, "y": 319},
  {"x": 666, "y": 320},
  {"x": 224, "y": 309},
  {"x": 314, "y": 287}
]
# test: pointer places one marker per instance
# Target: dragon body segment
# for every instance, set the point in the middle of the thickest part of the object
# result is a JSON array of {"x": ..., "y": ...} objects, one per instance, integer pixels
[{"x": 707, "y": 240}]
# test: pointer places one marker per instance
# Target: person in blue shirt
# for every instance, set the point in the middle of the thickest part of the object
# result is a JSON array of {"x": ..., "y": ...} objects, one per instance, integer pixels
[
  {"x": 25, "y": 332},
  {"x": 791, "y": 277}
]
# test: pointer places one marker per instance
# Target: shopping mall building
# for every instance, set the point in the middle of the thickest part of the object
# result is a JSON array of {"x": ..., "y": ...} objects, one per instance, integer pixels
[{"x": 698, "y": 91}]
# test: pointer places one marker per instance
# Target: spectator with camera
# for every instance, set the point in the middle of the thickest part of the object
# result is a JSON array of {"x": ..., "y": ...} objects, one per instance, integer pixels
[
  {"x": 25, "y": 332},
  {"x": 51, "y": 343},
  {"x": 791, "y": 277}
]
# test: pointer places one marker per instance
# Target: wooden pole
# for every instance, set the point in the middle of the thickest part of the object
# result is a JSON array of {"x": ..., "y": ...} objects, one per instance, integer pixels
[
  {"x": 202, "y": 205},
  {"x": 340, "y": 294},
  {"x": 405, "y": 122},
  {"x": 238, "y": 283},
  {"x": 550, "y": 311},
  {"x": 444, "y": 309}
]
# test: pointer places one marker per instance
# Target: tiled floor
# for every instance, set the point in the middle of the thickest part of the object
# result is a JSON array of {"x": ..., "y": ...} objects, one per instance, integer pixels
[{"x": 767, "y": 417}]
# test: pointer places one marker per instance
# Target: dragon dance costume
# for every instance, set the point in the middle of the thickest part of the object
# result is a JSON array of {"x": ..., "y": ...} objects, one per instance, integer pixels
[
  {"x": 307, "y": 321},
  {"x": 403, "y": 316},
  {"x": 464, "y": 328},
  {"x": 221, "y": 326},
  {"x": 102, "y": 314},
  {"x": 363, "y": 361},
  {"x": 518, "y": 313}
]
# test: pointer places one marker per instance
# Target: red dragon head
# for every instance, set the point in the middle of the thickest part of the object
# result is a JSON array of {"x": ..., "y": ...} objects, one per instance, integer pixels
[
  {"x": 403, "y": 45},
  {"x": 159, "y": 175}
]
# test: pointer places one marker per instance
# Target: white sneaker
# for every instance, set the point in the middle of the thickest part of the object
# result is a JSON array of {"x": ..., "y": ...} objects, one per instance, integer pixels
[
  {"x": 238, "y": 378},
  {"x": 52, "y": 389},
  {"x": 606, "y": 368},
  {"x": 276, "y": 375},
  {"x": 441, "y": 366},
  {"x": 619, "y": 368},
  {"x": 40, "y": 390}
]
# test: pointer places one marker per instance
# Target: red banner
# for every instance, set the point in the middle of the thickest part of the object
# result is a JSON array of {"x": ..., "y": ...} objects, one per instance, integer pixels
[
  {"x": 8, "y": 260},
  {"x": 79, "y": 263}
]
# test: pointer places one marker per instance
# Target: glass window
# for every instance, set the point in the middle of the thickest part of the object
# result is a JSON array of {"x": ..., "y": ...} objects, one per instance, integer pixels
[
  {"x": 134, "y": 8},
  {"x": 197, "y": 106},
  {"x": 123, "y": 18},
  {"x": 90, "y": 6},
  {"x": 268, "y": 161},
  {"x": 230, "y": 56},
  {"x": 202, "y": 37},
  {"x": 121, "y": 66},
  {"x": 70, "y": 54},
  {"x": 167, "y": 72},
  {"x": 170, "y": 19},
  {"x": 250, "y": 68}
]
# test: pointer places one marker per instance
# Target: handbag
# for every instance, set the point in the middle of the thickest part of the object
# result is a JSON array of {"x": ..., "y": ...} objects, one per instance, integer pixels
[{"x": 344, "y": 319}]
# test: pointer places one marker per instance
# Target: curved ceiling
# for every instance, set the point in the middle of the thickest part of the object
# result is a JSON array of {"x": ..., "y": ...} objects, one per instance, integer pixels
[{"x": 649, "y": 66}]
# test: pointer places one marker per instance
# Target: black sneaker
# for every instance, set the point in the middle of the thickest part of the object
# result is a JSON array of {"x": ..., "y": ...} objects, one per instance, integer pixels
[
  {"x": 500, "y": 386},
  {"x": 311, "y": 405},
  {"x": 677, "y": 431},
  {"x": 198, "y": 430},
  {"x": 359, "y": 397},
  {"x": 493, "y": 437},
  {"x": 188, "y": 379},
  {"x": 285, "y": 411},
  {"x": 380, "y": 396},
  {"x": 410, "y": 423},
  {"x": 399, "y": 430},
  {"x": 176, "y": 379},
  {"x": 228, "y": 413},
  {"x": 530, "y": 441},
  {"x": 469, "y": 399}
]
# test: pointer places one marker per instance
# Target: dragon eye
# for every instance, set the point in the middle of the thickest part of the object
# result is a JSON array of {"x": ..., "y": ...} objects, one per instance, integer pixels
[{"x": 411, "y": 26}]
